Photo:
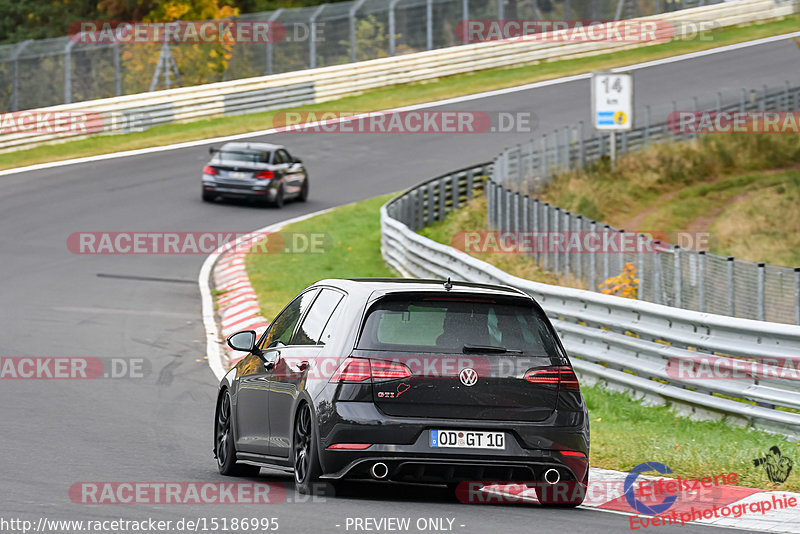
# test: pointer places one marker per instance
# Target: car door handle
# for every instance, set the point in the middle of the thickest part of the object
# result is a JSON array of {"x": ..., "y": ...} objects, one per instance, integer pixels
[{"x": 302, "y": 366}]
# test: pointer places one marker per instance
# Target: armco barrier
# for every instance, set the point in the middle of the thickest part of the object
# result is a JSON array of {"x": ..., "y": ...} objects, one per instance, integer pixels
[
  {"x": 132, "y": 112},
  {"x": 626, "y": 344}
]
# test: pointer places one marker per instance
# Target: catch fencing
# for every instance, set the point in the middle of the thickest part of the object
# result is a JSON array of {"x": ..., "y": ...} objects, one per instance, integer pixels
[
  {"x": 48, "y": 72},
  {"x": 679, "y": 277},
  {"x": 625, "y": 344}
]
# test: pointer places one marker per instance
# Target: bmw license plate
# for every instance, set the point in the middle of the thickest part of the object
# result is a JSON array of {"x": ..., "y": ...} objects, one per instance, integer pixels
[
  {"x": 468, "y": 439},
  {"x": 239, "y": 174}
]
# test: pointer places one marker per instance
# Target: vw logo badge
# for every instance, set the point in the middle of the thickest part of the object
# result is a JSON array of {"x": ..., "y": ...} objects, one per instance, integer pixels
[{"x": 468, "y": 376}]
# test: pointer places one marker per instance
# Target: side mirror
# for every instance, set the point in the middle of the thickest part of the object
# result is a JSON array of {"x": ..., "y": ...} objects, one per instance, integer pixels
[
  {"x": 298, "y": 160},
  {"x": 244, "y": 340}
]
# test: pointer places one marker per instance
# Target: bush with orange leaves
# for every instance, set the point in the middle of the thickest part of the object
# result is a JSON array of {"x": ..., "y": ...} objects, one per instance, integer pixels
[{"x": 625, "y": 284}]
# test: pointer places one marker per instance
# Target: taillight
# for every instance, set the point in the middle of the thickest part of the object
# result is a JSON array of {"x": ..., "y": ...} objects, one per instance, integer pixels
[
  {"x": 352, "y": 370},
  {"x": 361, "y": 370},
  {"x": 574, "y": 454},
  {"x": 564, "y": 377},
  {"x": 208, "y": 169},
  {"x": 266, "y": 175},
  {"x": 383, "y": 370}
]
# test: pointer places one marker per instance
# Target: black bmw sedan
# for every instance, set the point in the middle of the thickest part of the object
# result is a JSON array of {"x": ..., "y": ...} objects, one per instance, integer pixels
[
  {"x": 406, "y": 380},
  {"x": 258, "y": 171}
]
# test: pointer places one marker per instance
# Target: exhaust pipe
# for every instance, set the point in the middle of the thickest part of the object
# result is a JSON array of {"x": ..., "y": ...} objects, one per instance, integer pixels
[
  {"x": 552, "y": 476},
  {"x": 379, "y": 471}
]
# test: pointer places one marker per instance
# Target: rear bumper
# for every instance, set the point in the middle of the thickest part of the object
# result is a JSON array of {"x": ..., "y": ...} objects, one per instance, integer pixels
[
  {"x": 264, "y": 190},
  {"x": 403, "y": 444}
]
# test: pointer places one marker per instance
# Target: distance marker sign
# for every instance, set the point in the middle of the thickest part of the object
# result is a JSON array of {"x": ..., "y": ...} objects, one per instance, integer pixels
[{"x": 612, "y": 101}]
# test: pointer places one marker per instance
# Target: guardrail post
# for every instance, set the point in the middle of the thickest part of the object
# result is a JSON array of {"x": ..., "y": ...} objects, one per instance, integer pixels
[
  {"x": 68, "y": 71},
  {"x": 761, "y": 269},
  {"x": 490, "y": 212},
  {"x": 455, "y": 188},
  {"x": 470, "y": 183},
  {"x": 516, "y": 212},
  {"x": 639, "y": 266},
  {"x": 535, "y": 230},
  {"x": 581, "y": 146},
  {"x": 272, "y": 18},
  {"x": 797, "y": 295},
  {"x": 420, "y": 202},
  {"x": 506, "y": 209},
  {"x": 701, "y": 280},
  {"x": 312, "y": 42},
  {"x": 429, "y": 24},
  {"x": 579, "y": 257},
  {"x": 392, "y": 30},
  {"x": 556, "y": 153},
  {"x": 677, "y": 281},
  {"x": 656, "y": 272},
  {"x": 567, "y": 236},
  {"x": 117, "y": 76},
  {"x": 442, "y": 188},
  {"x": 719, "y": 101},
  {"x": 647, "y": 126},
  {"x": 592, "y": 260},
  {"x": 621, "y": 255},
  {"x": 606, "y": 266},
  {"x": 546, "y": 231},
  {"x": 526, "y": 226},
  {"x": 731, "y": 289},
  {"x": 743, "y": 100},
  {"x": 429, "y": 218},
  {"x": 556, "y": 228}
]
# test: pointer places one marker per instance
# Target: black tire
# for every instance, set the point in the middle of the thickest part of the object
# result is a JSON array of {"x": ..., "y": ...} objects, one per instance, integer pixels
[
  {"x": 224, "y": 448},
  {"x": 208, "y": 197},
  {"x": 279, "y": 197},
  {"x": 574, "y": 496},
  {"x": 304, "y": 191},
  {"x": 307, "y": 469}
]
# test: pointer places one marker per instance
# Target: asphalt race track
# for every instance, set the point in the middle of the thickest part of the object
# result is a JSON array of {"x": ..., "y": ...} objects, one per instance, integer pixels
[{"x": 159, "y": 427}]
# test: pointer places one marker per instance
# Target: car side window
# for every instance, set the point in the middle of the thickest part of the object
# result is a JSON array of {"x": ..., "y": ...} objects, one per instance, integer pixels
[
  {"x": 310, "y": 331},
  {"x": 330, "y": 327},
  {"x": 282, "y": 156},
  {"x": 281, "y": 329}
]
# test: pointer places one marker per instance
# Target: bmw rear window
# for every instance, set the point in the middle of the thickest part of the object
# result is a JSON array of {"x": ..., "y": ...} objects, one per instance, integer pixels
[
  {"x": 431, "y": 324},
  {"x": 249, "y": 156}
]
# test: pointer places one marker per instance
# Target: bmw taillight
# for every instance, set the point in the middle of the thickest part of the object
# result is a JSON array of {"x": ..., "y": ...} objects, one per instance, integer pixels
[
  {"x": 563, "y": 377},
  {"x": 362, "y": 370},
  {"x": 265, "y": 175},
  {"x": 208, "y": 169}
]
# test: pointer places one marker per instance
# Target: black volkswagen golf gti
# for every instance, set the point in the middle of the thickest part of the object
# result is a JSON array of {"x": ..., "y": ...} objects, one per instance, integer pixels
[{"x": 406, "y": 380}]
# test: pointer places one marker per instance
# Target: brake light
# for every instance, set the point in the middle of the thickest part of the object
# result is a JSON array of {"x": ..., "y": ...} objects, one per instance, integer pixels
[
  {"x": 208, "y": 169},
  {"x": 265, "y": 175},
  {"x": 350, "y": 446},
  {"x": 361, "y": 370},
  {"x": 564, "y": 377},
  {"x": 577, "y": 454}
]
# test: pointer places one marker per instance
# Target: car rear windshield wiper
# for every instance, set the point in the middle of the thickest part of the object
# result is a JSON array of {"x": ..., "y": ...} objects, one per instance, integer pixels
[{"x": 488, "y": 348}]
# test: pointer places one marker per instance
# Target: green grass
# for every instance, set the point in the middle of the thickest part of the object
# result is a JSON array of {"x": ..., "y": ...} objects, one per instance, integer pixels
[
  {"x": 394, "y": 96},
  {"x": 625, "y": 433},
  {"x": 352, "y": 251},
  {"x": 740, "y": 191}
]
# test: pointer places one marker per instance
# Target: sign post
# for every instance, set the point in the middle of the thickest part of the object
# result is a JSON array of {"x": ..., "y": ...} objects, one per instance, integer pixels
[{"x": 612, "y": 105}]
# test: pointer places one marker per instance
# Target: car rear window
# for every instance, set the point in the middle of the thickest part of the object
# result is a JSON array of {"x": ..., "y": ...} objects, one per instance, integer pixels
[
  {"x": 447, "y": 325},
  {"x": 249, "y": 156}
]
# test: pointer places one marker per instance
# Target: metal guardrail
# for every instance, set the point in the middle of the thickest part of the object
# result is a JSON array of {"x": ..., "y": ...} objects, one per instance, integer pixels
[
  {"x": 135, "y": 112},
  {"x": 623, "y": 343},
  {"x": 675, "y": 276}
]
